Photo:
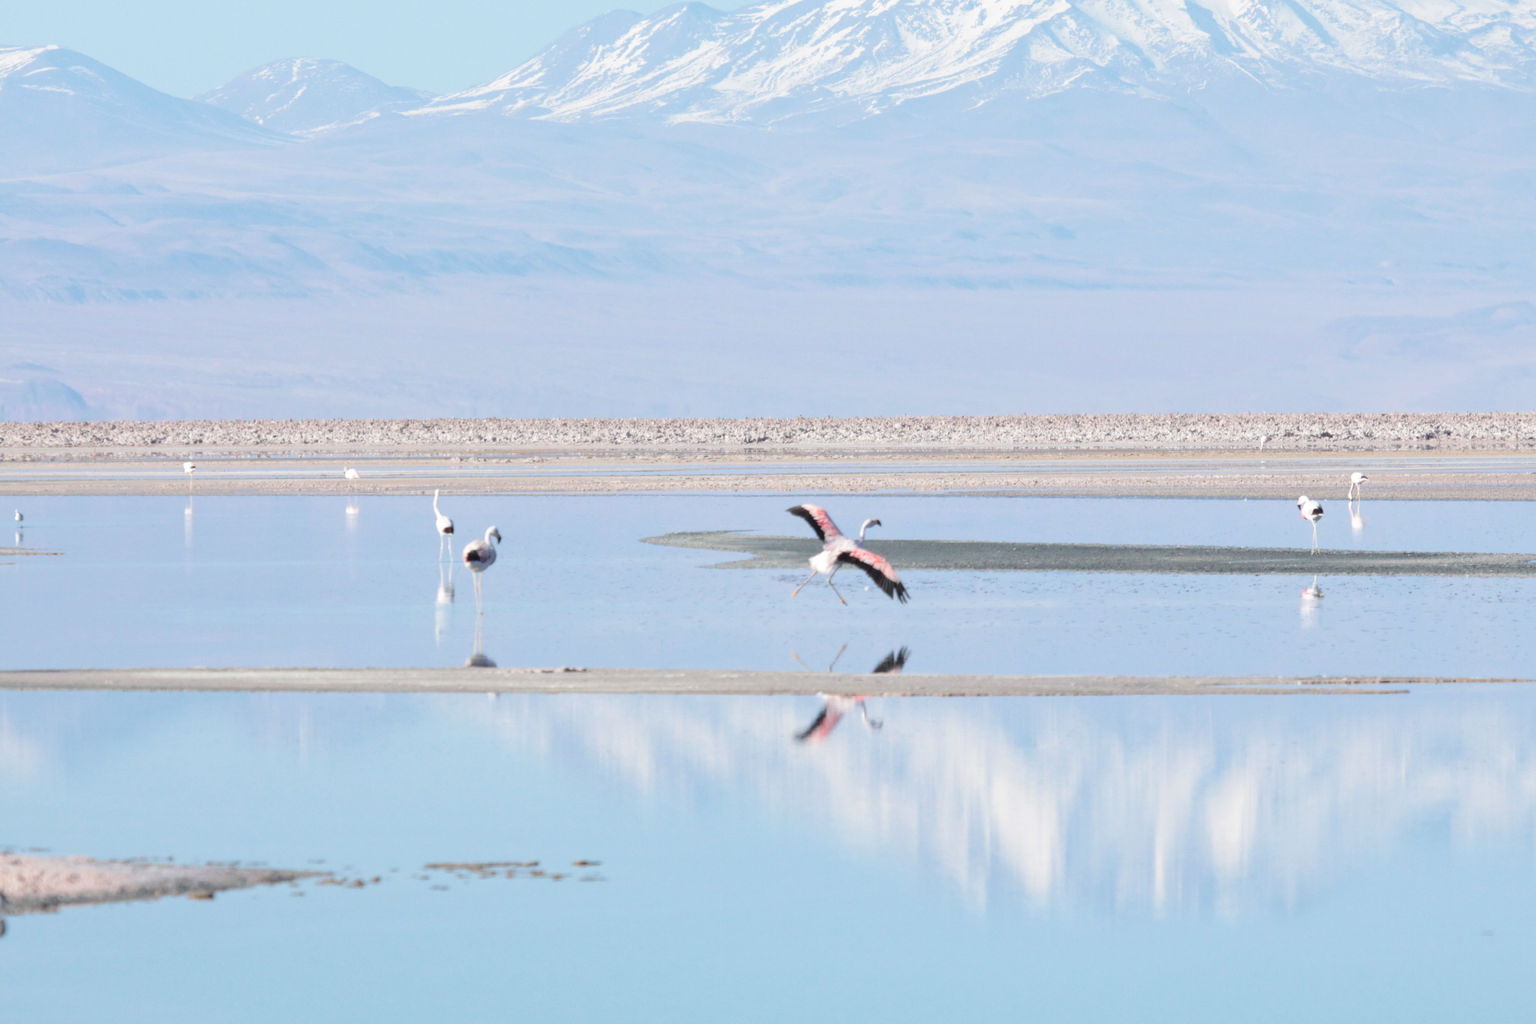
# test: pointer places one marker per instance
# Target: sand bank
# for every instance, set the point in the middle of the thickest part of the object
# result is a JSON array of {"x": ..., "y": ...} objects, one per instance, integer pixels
[
  {"x": 30, "y": 883},
  {"x": 568, "y": 680},
  {"x": 991, "y": 556}
]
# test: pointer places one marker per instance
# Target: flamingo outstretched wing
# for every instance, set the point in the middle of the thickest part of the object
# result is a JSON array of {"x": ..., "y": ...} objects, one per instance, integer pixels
[
  {"x": 878, "y": 569},
  {"x": 817, "y": 516},
  {"x": 893, "y": 662}
]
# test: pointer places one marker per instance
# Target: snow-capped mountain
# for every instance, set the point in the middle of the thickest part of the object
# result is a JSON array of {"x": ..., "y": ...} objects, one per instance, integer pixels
[
  {"x": 305, "y": 95},
  {"x": 848, "y": 59},
  {"x": 61, "y": 109}
]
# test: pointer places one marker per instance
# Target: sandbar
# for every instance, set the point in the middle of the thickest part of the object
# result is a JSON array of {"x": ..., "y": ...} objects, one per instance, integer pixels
[
  {"x": 692, "y": 682},
  {"x": 30, "y": 883},
  {"x": 770, "y": 552}
]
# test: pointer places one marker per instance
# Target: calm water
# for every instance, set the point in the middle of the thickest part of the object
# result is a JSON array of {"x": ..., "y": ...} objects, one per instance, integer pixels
[
  {"x": 1157, "y": 859},
  {"x": 1187, "y": 859},
  {"x": 302, "y": 581}
]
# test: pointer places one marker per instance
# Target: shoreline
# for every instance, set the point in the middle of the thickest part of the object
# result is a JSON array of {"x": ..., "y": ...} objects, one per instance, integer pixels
[
  {"x": 1484, "y": 456},
  {"x": 1311, "y": 432},
  {"x": 698, "y": 682}
]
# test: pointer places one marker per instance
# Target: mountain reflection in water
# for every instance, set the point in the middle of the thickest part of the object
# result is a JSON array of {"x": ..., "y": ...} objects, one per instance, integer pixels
[{"x": 1153, "y": 804}]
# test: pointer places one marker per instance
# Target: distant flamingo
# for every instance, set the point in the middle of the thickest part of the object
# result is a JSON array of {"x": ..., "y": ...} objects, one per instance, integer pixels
[
  {"x": 18, "y": 516},
  {"x": 838, "y": 551},
  {"x": 480, "y": 555},
  {"x": 189, "y": 468},
  {"x": 350, "y": 473},
  {"x": 1355, "y": 480},
  {"x": 1313, "y": 511},
  {"x": 444, "y": 527}
]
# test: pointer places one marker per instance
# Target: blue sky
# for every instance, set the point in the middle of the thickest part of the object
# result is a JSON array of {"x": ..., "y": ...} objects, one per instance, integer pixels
[{"x": 188, "y": 46}]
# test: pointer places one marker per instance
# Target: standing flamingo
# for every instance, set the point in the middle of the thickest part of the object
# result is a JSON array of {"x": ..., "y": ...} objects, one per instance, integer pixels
[
  {"x": 838, "y": 551},
  {"x": 1312, "y": 510},
  {"x": 1355, "y": 480},
  {"x": 480, "y": 555},
  {"x": 189, "y": 468},
  {"x": 444, "y": 527}
]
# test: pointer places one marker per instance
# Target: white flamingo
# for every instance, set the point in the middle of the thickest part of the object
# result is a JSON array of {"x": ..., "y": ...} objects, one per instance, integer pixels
[
  {"x": 1355, "y": 480},
  {"x": 188, "y": 468},
  {"x": 444, "y": 527},
  {"x": 480, "y": 555},
  {"x": 1313, "y": 511},
  {"x": 350, "y": 473},
  {"x": 18, "y": 516},
  {"x": 838, "y": 551}
]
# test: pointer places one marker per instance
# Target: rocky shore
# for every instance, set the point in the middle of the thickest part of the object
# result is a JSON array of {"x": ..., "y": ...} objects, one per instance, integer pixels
[{"x": 1308, "y": 432}]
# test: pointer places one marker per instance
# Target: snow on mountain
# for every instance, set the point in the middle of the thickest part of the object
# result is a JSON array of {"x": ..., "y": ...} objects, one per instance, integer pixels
[
  {"x": 61, "y": 109},
  {"x": 305, "y": 95},
  {"x": 848, "y": 59}
]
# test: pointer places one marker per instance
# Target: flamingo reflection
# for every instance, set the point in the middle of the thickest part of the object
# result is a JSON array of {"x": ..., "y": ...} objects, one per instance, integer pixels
[
  {"x": 835, "y": 705},
  {"x": 443, "y": 602},
  {"x": 478, "y": 658}
]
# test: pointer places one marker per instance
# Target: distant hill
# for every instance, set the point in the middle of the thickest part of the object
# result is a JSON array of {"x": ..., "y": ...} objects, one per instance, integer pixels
[
  {"x": 304, "y": 95},
  {"x": 62, "y": 110}
]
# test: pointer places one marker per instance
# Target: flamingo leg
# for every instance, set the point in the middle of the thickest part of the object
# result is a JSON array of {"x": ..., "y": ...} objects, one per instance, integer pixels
[
  {"x": 1314, "y": 536},
  {"x": 839, "y": 593},
  {"x": 479, "y": 605},
  {"x": 804, "y": 582},
  {"x": 873, "y": 723}
]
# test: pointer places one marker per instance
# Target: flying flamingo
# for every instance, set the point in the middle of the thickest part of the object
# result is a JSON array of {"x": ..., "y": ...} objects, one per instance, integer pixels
[
  {"x": 444, "y": 527},
  {"x": 1312, "y": 510},
  {"x": 1355, "y": 480},
  {"x": 838, "y": 551},
  {"x": 480, "y": 555}
]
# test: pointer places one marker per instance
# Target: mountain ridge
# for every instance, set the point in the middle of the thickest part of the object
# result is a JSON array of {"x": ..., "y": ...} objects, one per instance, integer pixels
[{"x": 782, "y": 60}]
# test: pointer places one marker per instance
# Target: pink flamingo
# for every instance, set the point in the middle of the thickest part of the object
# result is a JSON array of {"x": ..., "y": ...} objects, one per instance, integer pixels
[{"x": 838, "y": 551}]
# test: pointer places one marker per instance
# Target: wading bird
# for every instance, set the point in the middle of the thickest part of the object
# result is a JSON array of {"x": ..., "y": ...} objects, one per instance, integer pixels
[
  {"x": 350, "y": 473},
  {"x": 1313, "y": 511},
  {"x": 18, "y": 516},
  {"x": 444, "y": 527},
  {"x": 189, "y": 468},
  {"x": 1355, "y": 480},
  {"x": 480, "y": 555},
  {"x": 838, "y": 551}
]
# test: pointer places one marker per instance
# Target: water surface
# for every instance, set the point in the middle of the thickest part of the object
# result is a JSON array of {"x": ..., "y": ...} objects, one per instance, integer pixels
[{"x": 270, "y": 581}]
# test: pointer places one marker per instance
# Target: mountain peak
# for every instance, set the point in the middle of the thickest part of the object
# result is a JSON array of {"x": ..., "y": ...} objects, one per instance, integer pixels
[
  {"x": 848, "y": 59},
  {"x": 61, "y": 109},
  {"x": 306, "y": 95}
]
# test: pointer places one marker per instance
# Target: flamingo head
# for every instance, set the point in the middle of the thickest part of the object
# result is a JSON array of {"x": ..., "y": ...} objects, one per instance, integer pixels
[
  {"x": 493, "y": 532},
  {"x": 867, "y": 524}
]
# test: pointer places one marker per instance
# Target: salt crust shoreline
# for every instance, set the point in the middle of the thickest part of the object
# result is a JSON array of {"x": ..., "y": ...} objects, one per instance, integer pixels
[
  {"x": 1311, "y": 432},
  {"x": 33, "y": 884}
]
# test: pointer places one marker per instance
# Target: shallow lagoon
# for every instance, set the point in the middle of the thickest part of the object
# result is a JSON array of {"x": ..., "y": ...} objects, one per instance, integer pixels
[
  {"x": 1190, "y": 859},
  {"x": 237, "y": 581},
  {"x": 1183, "y": 859}
]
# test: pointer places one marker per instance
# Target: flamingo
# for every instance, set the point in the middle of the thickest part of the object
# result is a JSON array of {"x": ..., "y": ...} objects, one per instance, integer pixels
[
  {"x": 18, "y": 516},
  {"x": 1355, "y": 480},
  {"x": 480, "y": 555},
  {"x": 188, "y": 468},
  {"x": 1312, "y": 510},
  {"x": 838, "y": 551},
  {"x": 444, "y": 527},
  {"x": 350, "y": 473}
]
